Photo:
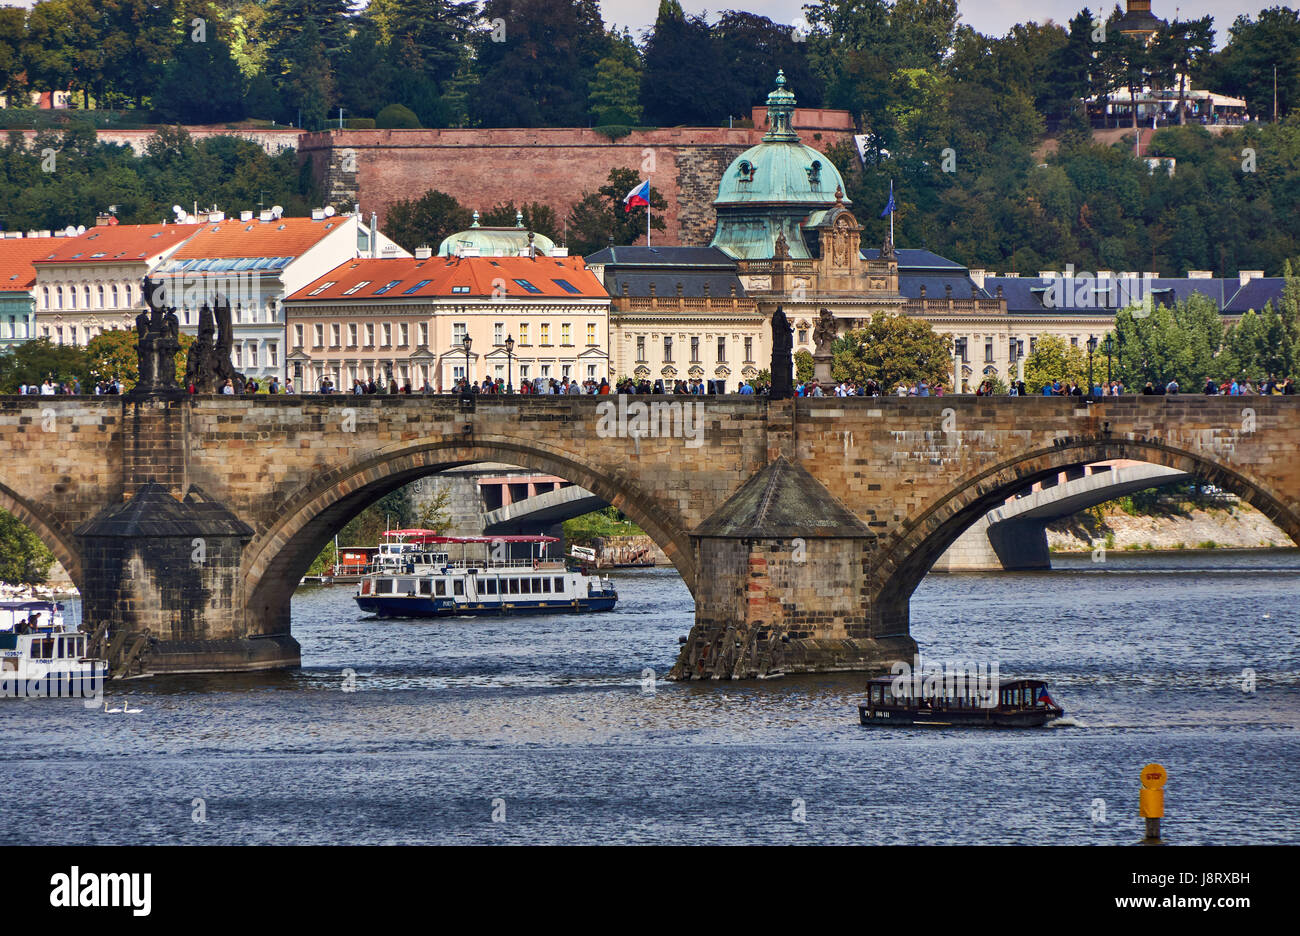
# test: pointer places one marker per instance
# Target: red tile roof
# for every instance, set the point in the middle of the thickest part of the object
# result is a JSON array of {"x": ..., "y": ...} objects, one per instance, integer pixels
[
  {"x": 16, "y": 256},
  {"x": 116, "y": 243},
  {"x": 283, "y": 237},
  {"x": 456, "y": 276}
]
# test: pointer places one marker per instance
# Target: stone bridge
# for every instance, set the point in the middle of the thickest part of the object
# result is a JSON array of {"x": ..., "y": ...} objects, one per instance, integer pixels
[{"x": 801, "y": 527}]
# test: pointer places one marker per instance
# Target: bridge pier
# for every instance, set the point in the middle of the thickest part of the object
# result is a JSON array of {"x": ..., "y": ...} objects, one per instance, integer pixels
[
  {"x": 170, "y": 571},
  {"x": 787, "y": 585}
]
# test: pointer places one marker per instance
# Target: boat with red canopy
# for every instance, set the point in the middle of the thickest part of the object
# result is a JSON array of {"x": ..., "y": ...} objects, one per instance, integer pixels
[{"x": 420, "y": 573}]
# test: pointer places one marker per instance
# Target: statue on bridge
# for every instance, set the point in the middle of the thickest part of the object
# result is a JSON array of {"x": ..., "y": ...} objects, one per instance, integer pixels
[
  {"x": 208, "y": 367},
  {"x": 157, "y": 343},
  {"x": 782, "y": 357}
]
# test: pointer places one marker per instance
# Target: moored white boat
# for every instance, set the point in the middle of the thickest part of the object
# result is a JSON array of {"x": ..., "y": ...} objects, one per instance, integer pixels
[{"x": 41, "y": 657}]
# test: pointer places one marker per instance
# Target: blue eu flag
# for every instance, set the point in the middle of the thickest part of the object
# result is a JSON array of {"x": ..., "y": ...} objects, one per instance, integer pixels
[{"x": 889, "y": 208}]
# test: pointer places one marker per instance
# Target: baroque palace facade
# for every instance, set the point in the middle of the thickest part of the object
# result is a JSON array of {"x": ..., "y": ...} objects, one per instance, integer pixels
[{"x": 786, "y": 236}]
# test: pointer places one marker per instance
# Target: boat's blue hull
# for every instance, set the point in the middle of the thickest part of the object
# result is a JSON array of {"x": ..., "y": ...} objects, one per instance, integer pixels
[{"x": 402, "y": 606}]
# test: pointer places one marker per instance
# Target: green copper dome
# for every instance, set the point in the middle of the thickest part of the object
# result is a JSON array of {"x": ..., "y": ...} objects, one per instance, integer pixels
[
  {"x": 770, "y": 188},
  {"x": 496, "y": 241}
]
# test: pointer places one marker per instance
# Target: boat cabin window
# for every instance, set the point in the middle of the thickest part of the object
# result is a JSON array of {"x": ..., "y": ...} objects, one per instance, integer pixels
[
  {"x": 440, "y": 587},
  {"x": 384, "y": 586},
  {"x": 43, "y": 649},
  {"x": 514, "y": 586},
  {"x": 559, "y": 584},
  {"x": 490, "y": 586},
  {"x": 458, "y": 586},
  {"x": 426, "y": 586}
]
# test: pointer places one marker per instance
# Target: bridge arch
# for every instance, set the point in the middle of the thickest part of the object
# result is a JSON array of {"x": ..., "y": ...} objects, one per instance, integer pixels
[
  {"x": 276, "y": 560},
  {"x": 50, "y": 532},
  {"x": 904, "y": 560}
]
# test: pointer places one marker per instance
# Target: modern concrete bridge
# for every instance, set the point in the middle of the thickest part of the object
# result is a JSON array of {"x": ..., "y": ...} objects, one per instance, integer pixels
[
  {"x": 801, "y": 527},
  {"x": 542, "y": 510},
  {"x": 1013, "y": 537}
]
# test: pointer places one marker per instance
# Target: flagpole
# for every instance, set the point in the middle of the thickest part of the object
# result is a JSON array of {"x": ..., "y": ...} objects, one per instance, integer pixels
[
  {"x": 891, "y": 211},
  {"x": 647, "y": 218}
]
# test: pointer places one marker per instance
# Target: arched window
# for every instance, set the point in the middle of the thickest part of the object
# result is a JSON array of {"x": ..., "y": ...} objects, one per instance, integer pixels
[
  {"x": 72, "y": 297},
  {"x": 45, "y": 297},
  {"x": 112, "y": 296},
  {"x": 58, "y": 297},
  {"x": 100, "y": 290},
  {"x": 85, "y": 292}
]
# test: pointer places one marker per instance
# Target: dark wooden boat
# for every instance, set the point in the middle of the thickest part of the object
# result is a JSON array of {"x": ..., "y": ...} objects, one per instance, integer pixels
[{"x": 1019, "y": 703}]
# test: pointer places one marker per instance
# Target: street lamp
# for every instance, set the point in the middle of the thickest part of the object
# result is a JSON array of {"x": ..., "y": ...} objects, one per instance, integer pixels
[
  {"x": 466, "y": 344},
  {"x": 1092, "y": 347},
  {"x": 1110, "y": 343},
  {"x": 510, "y": 370}
]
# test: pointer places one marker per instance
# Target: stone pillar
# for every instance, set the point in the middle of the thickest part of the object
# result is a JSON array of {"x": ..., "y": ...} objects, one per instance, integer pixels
[
  {"x": 822, "y": 371},
  {"x": 788, "y": 575},
  {"x": 169, "y": 570}
]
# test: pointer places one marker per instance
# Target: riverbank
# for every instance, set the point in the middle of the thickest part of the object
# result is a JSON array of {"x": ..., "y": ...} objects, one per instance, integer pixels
[{"x": 1177, "y": 527}]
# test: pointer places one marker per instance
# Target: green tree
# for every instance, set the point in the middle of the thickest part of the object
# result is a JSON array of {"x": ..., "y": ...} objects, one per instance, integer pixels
[
  {"x": 893, "y": 350},
  {"x": 13, "y": 35},
  {"x": 615, "y": 85},
  {"x": 1180, "y": 49},
  {"x": 29, "y": 363},
  {"x": 1052, "y": 359},
  {"x": 803, "y": 365},
  {"x": 599, "y": 218},
  {"x": 397, "y": 117},
  {"x": 1244, "y": 67},
  {"x": 428, "y": 219},
  {"x": 24, "y": 559},
  {"x": 538, "y": 76},
  {"x": 113, "y": 354},
  {"x": 682, "y": 72},
  {"x": 202, "y": 84}
]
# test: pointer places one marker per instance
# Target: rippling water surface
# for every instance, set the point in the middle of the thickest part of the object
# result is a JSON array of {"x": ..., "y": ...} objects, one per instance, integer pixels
[{"x": 548, "y": 716}]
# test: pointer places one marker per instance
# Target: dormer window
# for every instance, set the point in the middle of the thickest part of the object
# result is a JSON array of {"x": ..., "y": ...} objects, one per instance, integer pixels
[{"x": 745, "y": 171}]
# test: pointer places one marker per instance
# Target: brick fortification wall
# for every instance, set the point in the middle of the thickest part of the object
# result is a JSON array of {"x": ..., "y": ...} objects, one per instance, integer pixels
[{"x": 480, "y": 168}]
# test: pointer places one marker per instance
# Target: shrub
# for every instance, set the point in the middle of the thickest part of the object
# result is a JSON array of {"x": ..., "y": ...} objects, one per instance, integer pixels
[{"x": 397, "y": 117}]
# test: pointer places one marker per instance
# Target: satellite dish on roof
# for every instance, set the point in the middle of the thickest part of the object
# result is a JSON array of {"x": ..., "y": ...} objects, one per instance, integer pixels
[
  {"x": 276, "y": 211},
  {"x": 190, "y": 219},
  {"x": 70, "y": 231},
  {"x": 81, "y": 229},
  {"x": 329, "y": 211},
  {"x": 178, "y": 210}
]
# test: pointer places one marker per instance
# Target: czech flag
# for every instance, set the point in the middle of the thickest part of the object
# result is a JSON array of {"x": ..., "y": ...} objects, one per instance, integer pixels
[
  {"x": 637, "y": 197},
  {"x": 1044, "y": 697}
]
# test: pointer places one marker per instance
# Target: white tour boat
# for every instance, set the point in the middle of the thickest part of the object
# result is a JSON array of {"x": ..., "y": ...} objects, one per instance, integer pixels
[
  {"x": 426, "y": 582},
  {"x": 41, "y": 656}
]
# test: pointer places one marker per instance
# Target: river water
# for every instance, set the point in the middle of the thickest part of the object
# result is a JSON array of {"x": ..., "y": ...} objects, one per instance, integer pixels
[{"x": 548, "y": 725}]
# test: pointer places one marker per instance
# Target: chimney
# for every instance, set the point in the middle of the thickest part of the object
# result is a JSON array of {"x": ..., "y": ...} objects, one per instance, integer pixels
[
  {"x": 102, "y": 219},
  {"x": 374, "y": 230},
  {"x": 264, "y": 215},
  {"x": 1245, "y": 276},
  {"x": 1047, "y": 274},
  {"x": 423, "y": 252},
  {"x": 1151, "y": 274},
  {"x": 318, "y": 214},
  {"x": 245, "y": 216},
  {"x": 977, "y": 276},
  {"x": 1200, "y": 274},
  {"x": 559, "y": 251},
  {"x": 215, "y": 216}
]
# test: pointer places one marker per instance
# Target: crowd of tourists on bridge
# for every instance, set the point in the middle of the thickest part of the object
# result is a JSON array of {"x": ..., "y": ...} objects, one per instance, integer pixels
[{"x": 1267, "y": 386}]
